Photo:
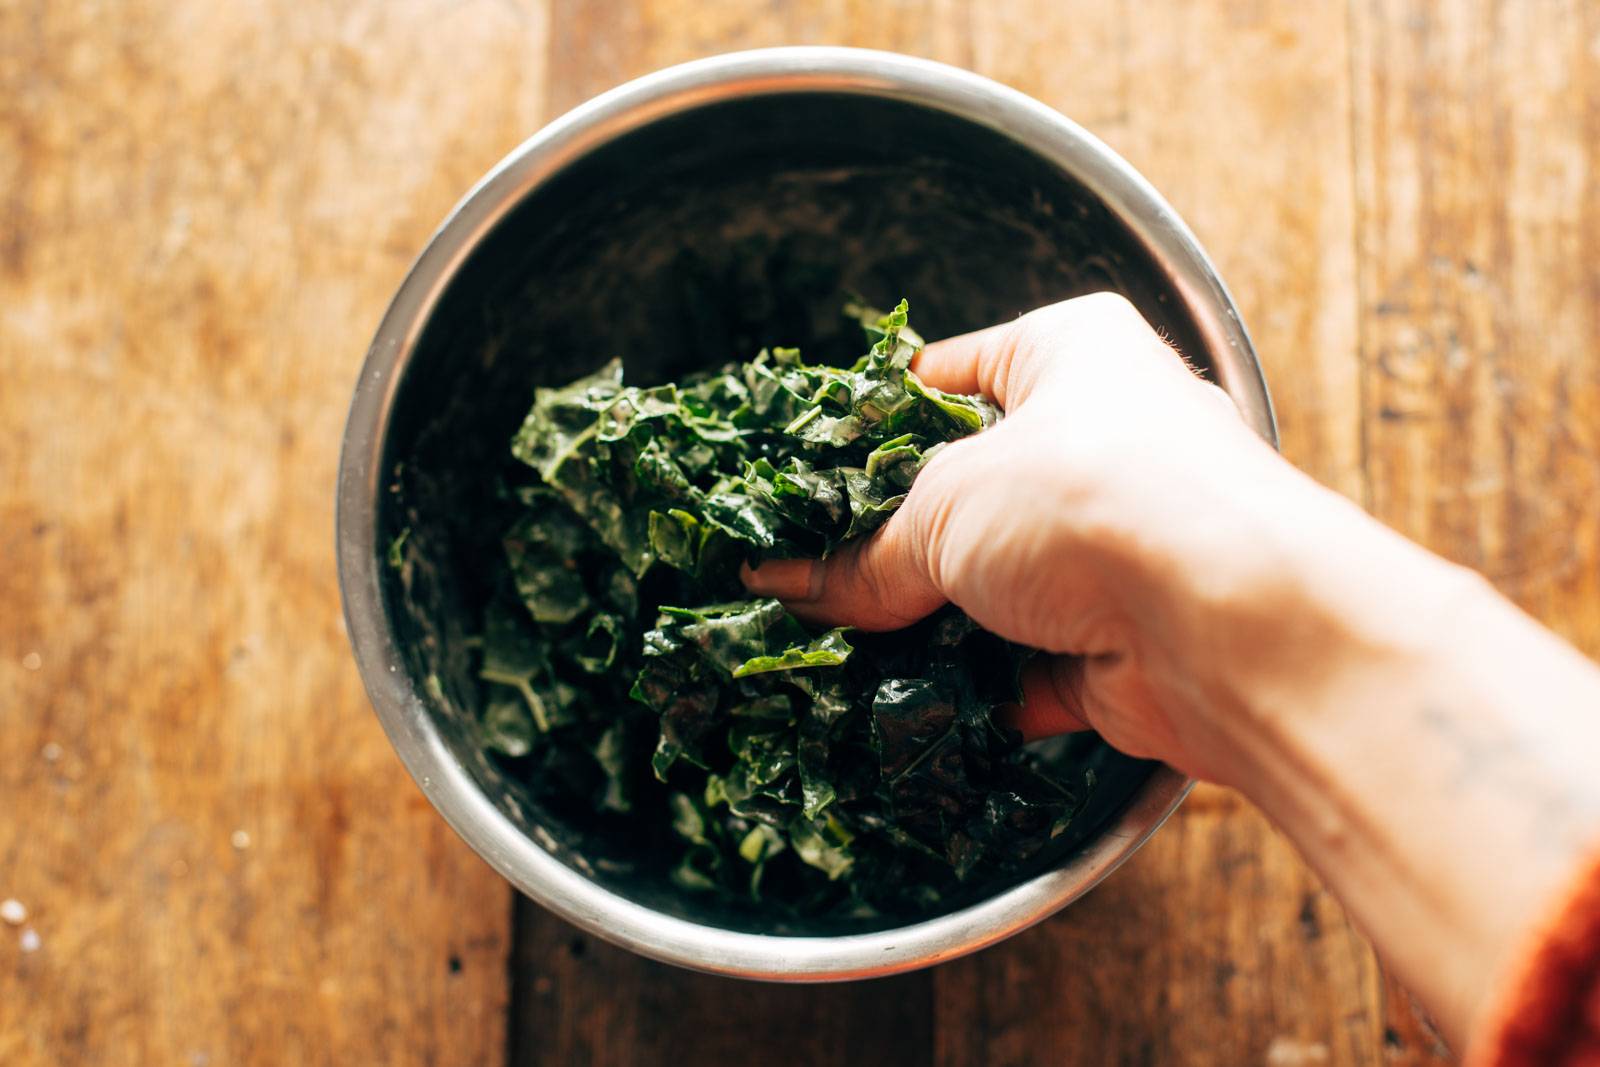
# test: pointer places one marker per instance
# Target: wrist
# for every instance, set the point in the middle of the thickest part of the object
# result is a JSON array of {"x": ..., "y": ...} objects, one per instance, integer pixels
[
  {"x": 1308, "y": 607},
  {"x": 1426, "y": 745}
]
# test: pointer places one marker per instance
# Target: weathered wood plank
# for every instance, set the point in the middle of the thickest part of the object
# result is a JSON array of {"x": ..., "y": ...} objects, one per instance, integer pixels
[
  {"x": 1215, "y": 945},
  {"x": 1478, "y": 176},
  {"x": 1239, "y": 113},
  {"x": 581, "y": 1001},
  {"x": 1478, "y": 157},
  {"x": 597, "y": 44},
  {"x": 203, "y": 210}
]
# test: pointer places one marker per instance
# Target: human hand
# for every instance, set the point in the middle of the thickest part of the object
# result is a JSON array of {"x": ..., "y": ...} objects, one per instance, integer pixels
[
  {"x": 1427, "y": 746},
  {"x": 1107, "y": 520}
]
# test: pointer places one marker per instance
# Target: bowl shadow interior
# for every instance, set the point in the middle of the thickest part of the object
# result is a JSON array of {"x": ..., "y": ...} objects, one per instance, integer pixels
[{"x": 692, "y": 241}]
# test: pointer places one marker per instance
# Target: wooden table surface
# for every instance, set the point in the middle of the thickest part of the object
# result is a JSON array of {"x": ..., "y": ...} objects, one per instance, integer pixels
[{"x": 203, "y": 209}]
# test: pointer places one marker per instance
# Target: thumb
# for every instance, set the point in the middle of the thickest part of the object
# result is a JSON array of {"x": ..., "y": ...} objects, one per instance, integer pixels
[{"x": 883, "y": 582}]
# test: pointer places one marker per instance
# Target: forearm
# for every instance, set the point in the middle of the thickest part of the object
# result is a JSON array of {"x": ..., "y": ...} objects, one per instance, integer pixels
[{"x": 1432, "y": 751}]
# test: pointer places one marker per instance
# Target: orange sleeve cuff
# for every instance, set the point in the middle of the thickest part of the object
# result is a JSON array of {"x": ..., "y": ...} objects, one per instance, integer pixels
[{"x": 1547, "y": 1011}]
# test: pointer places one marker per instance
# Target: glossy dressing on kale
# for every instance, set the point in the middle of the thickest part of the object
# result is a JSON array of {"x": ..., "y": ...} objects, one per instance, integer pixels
[{"x": 625, "y": 669}]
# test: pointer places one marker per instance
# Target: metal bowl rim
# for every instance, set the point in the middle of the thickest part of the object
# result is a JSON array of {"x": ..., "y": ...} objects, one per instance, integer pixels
[{"x": 402, "y": 709}]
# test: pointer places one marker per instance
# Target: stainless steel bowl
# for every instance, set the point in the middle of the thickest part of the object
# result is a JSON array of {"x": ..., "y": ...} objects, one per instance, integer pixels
[{"x": 689, "y": 216}]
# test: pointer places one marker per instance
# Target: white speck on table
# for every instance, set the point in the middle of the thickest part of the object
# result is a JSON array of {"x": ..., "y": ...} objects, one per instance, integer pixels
[
  {"x": 1289, "y": 1052},
  {"x": 240, "y": 840},
  {"x": 13, "y": 911},
  {"x": 29, "y": 940},
  {"x": 32, "y": 661}
]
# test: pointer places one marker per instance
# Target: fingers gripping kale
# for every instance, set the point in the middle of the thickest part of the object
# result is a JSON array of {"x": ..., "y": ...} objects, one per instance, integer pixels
[{"x": 626, "y": 670}]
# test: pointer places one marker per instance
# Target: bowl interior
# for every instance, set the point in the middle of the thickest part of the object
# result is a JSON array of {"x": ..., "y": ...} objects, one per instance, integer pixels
[{"x": 694, "y": 240}]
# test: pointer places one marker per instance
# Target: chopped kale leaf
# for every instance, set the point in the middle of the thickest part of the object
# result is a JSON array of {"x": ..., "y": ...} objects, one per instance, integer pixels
[{"x": 625, "y": 669}]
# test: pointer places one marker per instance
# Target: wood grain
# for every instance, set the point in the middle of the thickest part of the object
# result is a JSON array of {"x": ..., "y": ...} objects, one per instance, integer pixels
[
  {"x": 1477, "y": 162},
  {"x": 581, "y": 1002},
  {"x": 1240, "y": 112},
  {"x": 1212, "y": 946},
  {"x": 1478, "y": 157},
  {"x": 204, "y": 209}
]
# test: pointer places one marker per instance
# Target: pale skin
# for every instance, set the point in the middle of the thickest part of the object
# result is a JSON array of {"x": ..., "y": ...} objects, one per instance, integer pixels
[{"x": 1431, "y": 750}]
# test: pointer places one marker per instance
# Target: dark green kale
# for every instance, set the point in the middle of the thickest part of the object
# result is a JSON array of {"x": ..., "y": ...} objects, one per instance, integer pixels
[{"x": 626, "y": 671}]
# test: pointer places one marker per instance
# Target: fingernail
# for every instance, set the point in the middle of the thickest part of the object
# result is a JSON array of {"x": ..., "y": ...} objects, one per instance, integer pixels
[{"x": 786, "y": 579}]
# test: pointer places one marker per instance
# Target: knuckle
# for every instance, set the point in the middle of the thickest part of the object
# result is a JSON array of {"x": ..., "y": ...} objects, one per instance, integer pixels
[
  {"x": 951, "y": 479},
  {"x": 873, "y": 585},
  {"x": 996, "y": 370},
  {"x": 1110, "y": 306},
  {"x": 1098, "y": 310},
  {"x": 945, "y": 476},
  {"x": 874, "y": 576},
  {"x": 1026, "y": 349},
  {"x": 1106, "y": 316},
  {"x": 1219, "y": 397}
]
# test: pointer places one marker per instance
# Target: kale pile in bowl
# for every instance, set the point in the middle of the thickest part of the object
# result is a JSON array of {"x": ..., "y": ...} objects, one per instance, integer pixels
[{"x": 628, "y": 674}]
